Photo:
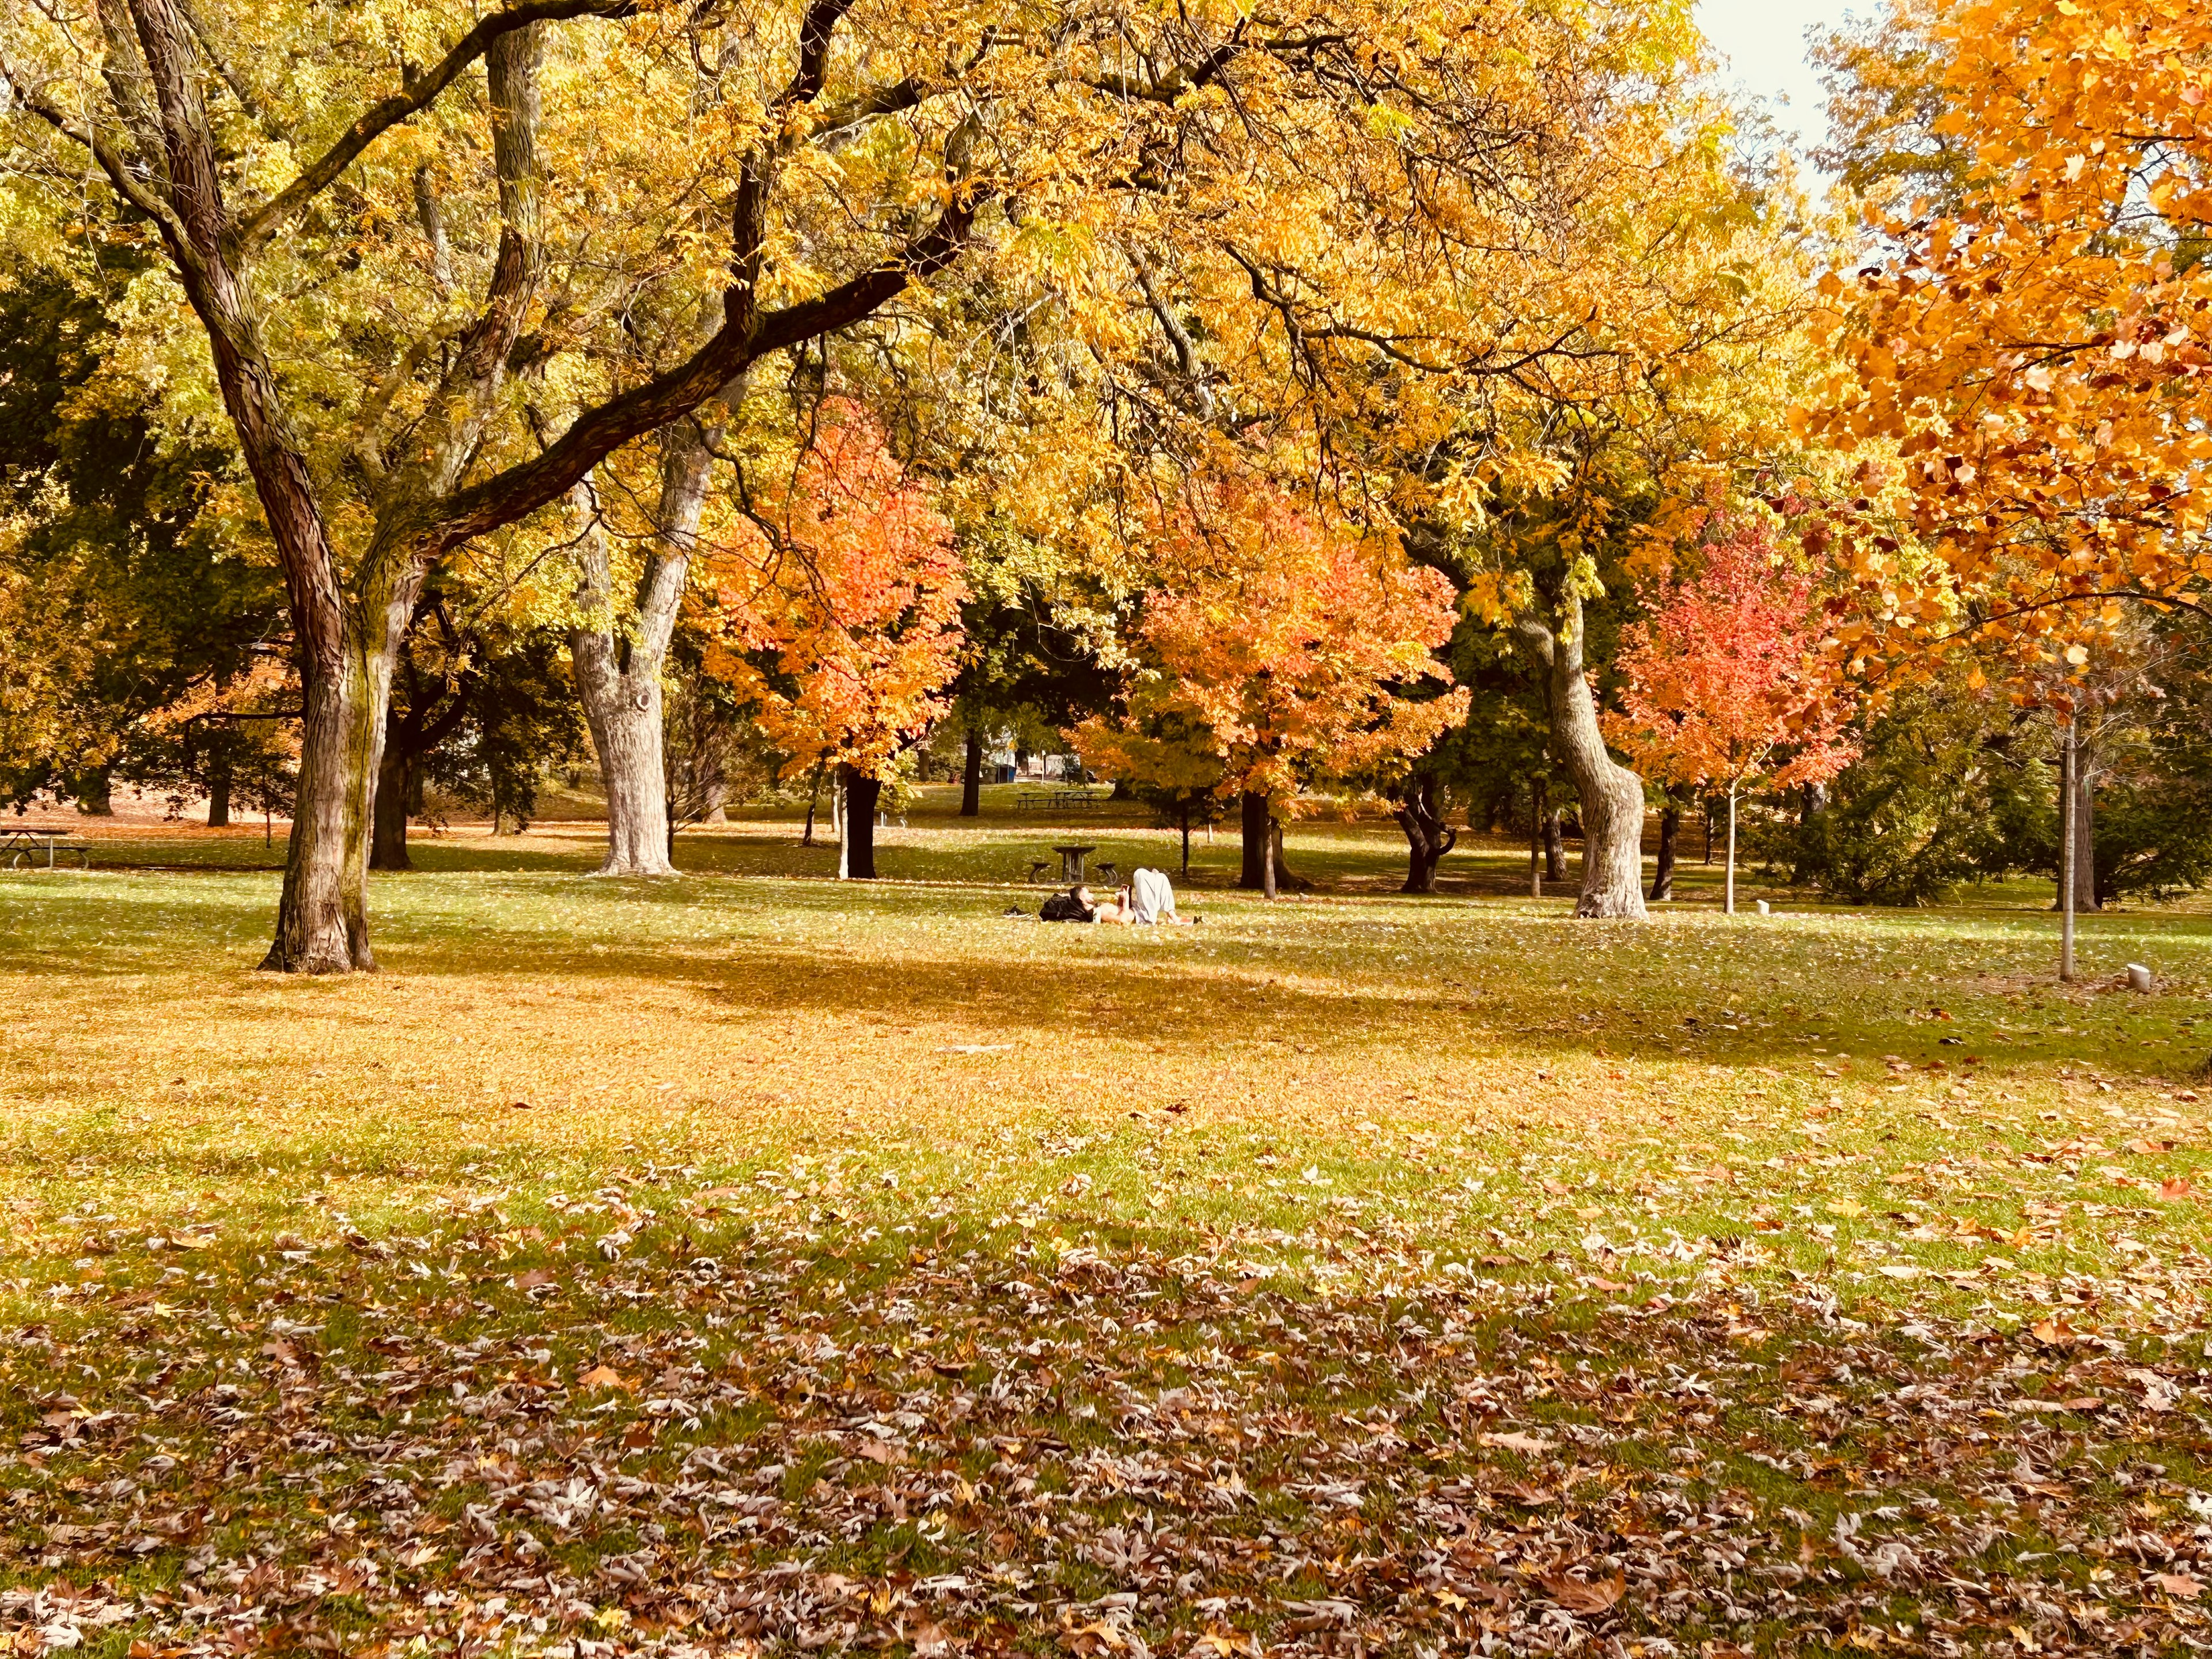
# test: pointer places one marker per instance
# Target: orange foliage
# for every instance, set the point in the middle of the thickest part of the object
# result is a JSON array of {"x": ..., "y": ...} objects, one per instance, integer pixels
[
  {"x": 1278, "y": 653},
  {"x": 2038, "y": 355},
  {"x": 836, "y": 605}
]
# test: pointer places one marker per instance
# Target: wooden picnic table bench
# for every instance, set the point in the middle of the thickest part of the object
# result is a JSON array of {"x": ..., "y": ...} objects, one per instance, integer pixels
[{"x": 21, "y": 846}]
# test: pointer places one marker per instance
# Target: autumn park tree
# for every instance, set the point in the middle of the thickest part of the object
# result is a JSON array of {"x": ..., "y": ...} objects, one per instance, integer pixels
[
  {"x": 1275, "y": 657},
  {"x": 835, "y": 610},
  {"x": 1727, "y": 685},
  {"x": 2034, "y": 351}
]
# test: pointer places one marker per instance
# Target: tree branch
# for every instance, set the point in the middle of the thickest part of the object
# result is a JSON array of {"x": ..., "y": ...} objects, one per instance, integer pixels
[{"x": 420, "y": 93}]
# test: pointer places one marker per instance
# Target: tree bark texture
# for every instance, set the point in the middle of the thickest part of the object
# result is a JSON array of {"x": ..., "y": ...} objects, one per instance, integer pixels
[
  {"x": 971, "y": 777},
  {"x": 1612, "y": 795},
  {"x": 1256, "y": 874},
  {"x": 618, "y": 659},
  {"x": 1428, "y": 837},
  {"x": 95, "y": 792},
  {"x": 1728, "y": 905},
  {"x": 1670, "y": 830}
]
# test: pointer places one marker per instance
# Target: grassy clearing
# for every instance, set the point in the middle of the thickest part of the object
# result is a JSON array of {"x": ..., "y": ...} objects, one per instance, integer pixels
[{"x": 748, "y": 1260}]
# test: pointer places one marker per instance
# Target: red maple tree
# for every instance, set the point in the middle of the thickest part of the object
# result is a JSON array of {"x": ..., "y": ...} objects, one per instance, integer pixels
[{"x": 1726, "y": 686}]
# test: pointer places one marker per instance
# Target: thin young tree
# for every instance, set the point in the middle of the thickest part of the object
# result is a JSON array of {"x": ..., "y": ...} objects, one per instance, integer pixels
[{"x": 1726, "y": 684}]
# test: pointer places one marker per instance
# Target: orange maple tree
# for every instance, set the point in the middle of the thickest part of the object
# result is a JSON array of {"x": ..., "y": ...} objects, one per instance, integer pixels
[
  {"x": 2035, "y": 350},
  {"x": 836, "y": 605},
  {"x": 1726, "y": 682},
  {"x": 1278, "y": 653}
]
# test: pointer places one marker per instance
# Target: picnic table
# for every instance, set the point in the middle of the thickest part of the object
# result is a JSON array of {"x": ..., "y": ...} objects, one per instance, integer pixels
[
  {"x": 1071, "y": 795},
  {"x": 21, "y": 846},
  {"x": 1071, "y": 863}
]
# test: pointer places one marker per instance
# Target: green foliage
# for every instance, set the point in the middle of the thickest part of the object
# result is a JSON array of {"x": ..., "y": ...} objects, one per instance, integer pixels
[
  {"x": 523, "y": 719},
  {"x": 1935, "y": 800},
  {"x": 121, "y": 593}
]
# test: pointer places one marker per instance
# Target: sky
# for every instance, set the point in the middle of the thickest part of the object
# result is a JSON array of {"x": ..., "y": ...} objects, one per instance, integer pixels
[{"x": 1764, "y": 41}]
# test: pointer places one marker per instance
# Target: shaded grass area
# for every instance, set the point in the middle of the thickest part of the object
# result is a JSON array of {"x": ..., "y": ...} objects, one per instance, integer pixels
[{"x": 746, "y": 1259}]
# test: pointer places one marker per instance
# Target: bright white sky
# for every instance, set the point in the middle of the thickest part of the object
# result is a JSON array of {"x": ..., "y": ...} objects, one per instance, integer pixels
[{"x": 1764, "y": 42}]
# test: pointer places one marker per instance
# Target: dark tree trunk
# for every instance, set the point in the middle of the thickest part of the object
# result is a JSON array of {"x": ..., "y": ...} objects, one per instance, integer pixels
[
  {"x": 1536, "y": 838},
  {"x": 1255, "y": 875},
  {"x": 1612, "y": 795},
  {"x": 862, "y": 795},
  {"x": 1270, "y": 866},
  {"x": 1709, "y": 832},
  {"x": 1428, "y": 838},
  {"x": 971, "y": 777},
  {"x": 219, "y": 780},
  {"x": 1670, "y": 829},
  {"x": 1186, "y": 840},
  {"x": 1555, "y": 848},
  {"x": 95, "y": 792},
  {"x": 387, "y": 849}
]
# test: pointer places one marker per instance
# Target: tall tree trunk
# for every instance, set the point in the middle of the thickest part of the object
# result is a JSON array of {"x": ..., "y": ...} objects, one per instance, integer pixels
[
  {"x": 1535, "y": 838},
  {"x": 1612, "y": 795},
  {"x": 1555, "y": 847},
  {"x": 861, "y": 794},
  {"x": 1708, "y": 830},
  {"x": 1186, "y": 840},
  {"x": 1256, "y": 874},
  {"x": 1428, "y": 838},
  {"x": 618, "y": 665},
  {"x": 1670, "y": 829},
  {"x": 219, "y": 773},
  {"x": 1271, "y": 862},
  {"x": 971, "y": 776},
  {"x": 387, "y": 849}
]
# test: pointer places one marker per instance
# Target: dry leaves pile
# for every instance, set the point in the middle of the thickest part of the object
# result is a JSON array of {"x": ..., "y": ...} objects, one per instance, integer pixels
[{"x": 699, "y": 1418}]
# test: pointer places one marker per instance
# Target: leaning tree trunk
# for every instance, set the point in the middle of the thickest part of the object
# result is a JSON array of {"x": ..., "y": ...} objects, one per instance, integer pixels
[
  {"x": 861, "y": 793},
  {"x": 1256, "y": 874},
  {"x": 971, "y": 777},
  {"x": 1612, "y": 795},
  {"x": 1670, "y": 830}
]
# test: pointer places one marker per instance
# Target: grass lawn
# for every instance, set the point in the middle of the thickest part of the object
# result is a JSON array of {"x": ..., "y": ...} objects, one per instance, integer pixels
[{"x": 750, "y": 1262}]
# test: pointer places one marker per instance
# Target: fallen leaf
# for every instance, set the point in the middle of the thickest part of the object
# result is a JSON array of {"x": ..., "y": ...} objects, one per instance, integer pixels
[
  {"x": 1515, "y": 1440},
  {"x": 2184, "y": 1586},
  {"x": 602, "y": 1377},
  {"x": 2176, "y": 1186},
  {"x": 1576, "y": 1596}
]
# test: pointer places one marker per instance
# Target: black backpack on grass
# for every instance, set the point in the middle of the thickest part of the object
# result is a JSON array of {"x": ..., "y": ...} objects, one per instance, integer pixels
[{"x": 1064, "y": 907}]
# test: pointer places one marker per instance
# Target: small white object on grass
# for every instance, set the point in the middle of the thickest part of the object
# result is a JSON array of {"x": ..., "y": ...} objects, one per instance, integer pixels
[
  {"x": 1762, "y": 909},
  {"x": 2139, "y": 977}
]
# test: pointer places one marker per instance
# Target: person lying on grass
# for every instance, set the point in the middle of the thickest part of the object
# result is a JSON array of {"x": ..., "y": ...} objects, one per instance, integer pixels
[{"x": 1148, "y": 899}]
